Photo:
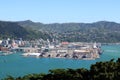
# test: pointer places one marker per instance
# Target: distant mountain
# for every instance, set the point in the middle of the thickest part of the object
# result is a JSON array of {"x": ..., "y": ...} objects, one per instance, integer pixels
[
  {"x": 11, "y": 29},
  {"x": 30, "y": 24},
  {"x": 101, "y": 31},
  {"x": 64, "y": 27},
  {"x": 14, "y": 30}
]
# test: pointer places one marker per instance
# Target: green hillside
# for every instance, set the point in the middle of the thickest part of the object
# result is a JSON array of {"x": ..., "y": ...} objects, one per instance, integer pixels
[
  {"x": 102, "y": 31},
  {"x": 14, "y": 30}
]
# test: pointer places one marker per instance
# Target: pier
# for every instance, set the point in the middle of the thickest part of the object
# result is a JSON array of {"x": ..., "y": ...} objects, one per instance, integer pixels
[
  {"x": 47, "y": 49},
  {"x": 86, "y": 51}
]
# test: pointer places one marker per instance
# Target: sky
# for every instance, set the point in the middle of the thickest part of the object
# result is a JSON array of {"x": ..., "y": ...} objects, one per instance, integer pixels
[{"x": 60, "y": 11}]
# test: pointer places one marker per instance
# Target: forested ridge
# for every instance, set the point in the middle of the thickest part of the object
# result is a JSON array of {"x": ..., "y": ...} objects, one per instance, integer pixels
[
  {"x": 14, "y": 30},
  {"x": 101, "y": 31},
  {"x": 108, "y": 70}
]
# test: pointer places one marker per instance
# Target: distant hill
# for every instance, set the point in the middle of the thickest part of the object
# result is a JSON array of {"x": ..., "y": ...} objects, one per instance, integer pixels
[
  {"x": 64, "y": 27},
  {"x": 11, "y": 29},
  {"x": 32, "y": 25},
  {"x": 14, "y": 30},
  {"x": 101, "y": 31}
]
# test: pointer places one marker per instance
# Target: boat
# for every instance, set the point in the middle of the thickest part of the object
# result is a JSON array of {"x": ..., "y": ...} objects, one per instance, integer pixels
[{"x": 31, "y": 54}]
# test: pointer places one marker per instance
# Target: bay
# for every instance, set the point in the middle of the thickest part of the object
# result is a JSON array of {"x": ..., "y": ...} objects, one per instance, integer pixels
[{"x": 17, "y": 65}]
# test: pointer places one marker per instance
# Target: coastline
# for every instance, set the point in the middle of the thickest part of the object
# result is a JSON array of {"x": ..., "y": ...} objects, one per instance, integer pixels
[{"x": 42, "y": 65}]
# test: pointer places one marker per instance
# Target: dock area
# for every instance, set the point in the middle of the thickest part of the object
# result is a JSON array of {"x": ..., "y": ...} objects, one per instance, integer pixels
[
  {"x": 54, "y": 49},
  {"x": 85, "y": 51},
  {"x": 74, "y": 51}
]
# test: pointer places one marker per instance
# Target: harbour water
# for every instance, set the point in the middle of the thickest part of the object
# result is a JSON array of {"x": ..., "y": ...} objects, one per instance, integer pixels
[{"x": 17, "y": 65}]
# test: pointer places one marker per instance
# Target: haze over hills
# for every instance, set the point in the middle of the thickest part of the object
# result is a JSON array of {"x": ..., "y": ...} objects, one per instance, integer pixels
[{"x": 101, "y": 31}]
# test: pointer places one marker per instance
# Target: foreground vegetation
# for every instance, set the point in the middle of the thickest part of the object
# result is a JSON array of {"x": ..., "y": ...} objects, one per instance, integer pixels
[{"x": 109, "y": 70}]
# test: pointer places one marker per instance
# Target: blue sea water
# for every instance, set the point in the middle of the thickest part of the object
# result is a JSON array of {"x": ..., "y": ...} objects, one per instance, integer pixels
[{"x": 17, "y": 65}]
